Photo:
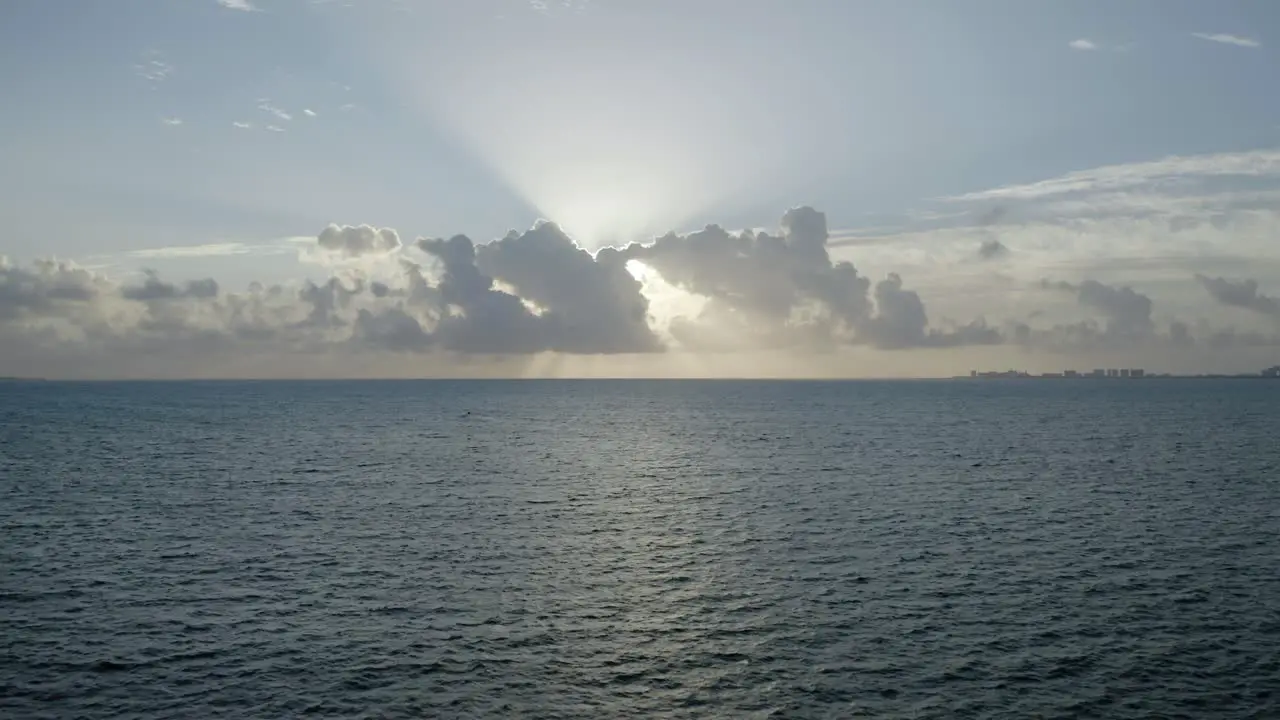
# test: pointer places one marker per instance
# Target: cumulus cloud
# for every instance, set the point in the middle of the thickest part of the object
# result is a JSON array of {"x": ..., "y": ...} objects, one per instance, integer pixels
[
  {"x": 49, "y": 287},
  {"x": 1082, "y": 44},
  {"x": 153, "y": 288},
  {"x": 1240, "y": 294},
  {"x": 592, "y": 301},
  {"x": 357, "y": 240},
  {"x": 1127, "y": 312},
  {"x": 785, "y": 290},
  {"x": 568, "y": 301},
  {"x": 537, "y": 292}
]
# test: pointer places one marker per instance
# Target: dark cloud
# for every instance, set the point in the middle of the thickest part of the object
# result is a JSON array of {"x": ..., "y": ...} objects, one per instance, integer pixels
[
  {"x": 327, "y": 301},
  {"x": 357, "y": 240},
  {"x": 589, "y": 304},
  {"x": 391, "y": 329},
  {"x": 44, "y": 288},
  {"x": 901, "y": 322},
  {"x": 1127, "y": 312},
  {"x": 153, "y": 288},
  {"x": 579, "y": 304},
  {"x": 785, "y": 290},
  {"x": 537, "y": 291},
  {"x": 1241, "y": 294},
  {"x": 992, "y": 249}
]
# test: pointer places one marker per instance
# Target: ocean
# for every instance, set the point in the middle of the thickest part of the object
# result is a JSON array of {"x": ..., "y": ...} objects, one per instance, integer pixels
[{"x": 590, "y": 549}]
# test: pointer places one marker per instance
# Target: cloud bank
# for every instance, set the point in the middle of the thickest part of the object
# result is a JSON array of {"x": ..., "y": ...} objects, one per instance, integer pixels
[{"x": 533, "y": 293}]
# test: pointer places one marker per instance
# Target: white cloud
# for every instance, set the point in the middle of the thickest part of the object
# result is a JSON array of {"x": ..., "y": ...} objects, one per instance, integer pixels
[
  {"x": 266, "y": 106},
  {"x": 155, "y": 70},
  {"x": 1226, "y": 39},
  {"x": 209, "y": 250},
  {"x": 243, "y": 5},
  {"x": 241, "y": 125},
  {"x": 308, "y": 112},
  {"x": 172, "y": 121},
  {"x": 1082, "y": 44},
  {"x": 275, "y": 128},
  {"x": 1254, "y": 164}
]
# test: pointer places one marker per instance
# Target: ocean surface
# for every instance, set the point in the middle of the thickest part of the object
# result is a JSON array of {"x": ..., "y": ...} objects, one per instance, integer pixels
[{"x": 584, "y": 549}]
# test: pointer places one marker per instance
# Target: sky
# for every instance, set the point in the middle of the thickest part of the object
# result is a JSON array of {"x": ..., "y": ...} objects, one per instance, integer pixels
[{"x": 821, "y": 188}]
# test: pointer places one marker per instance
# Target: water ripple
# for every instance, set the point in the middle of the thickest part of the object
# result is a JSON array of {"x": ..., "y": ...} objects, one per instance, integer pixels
[{"x": 562, "y": 550}]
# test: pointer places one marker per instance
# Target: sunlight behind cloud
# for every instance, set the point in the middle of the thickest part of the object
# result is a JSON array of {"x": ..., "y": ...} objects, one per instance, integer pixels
[{"x": 652, "y": 134}]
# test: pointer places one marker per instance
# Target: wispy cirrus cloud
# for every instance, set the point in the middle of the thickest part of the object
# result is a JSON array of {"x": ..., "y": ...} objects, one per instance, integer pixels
[
  {"x": 1227, "y": 39},
  {"x": 1253, "y": 164},
  {"x": 154, "y": 70},
  {"x": 171, "y": 121},
  {"x": 265, "y": 106},
  {"x": 242, "y": 5},
  {"x": 1082, "y": 44},
  {"x": 284, "y": 246},
  {"x": 241, "y": 125}
]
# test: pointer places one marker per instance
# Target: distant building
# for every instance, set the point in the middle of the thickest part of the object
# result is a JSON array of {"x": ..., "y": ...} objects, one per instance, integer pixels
[
  {"x": 973, "y": 373},
  {"x": 1273, "y": 372},
  {"x": 1137, "y": 372},
  {"x": 1098, "y": 372},
  {"x": 1070, "y": 373},
  {"x": 1124, "y": 372},
  {"x": 1112, "y": 372}
]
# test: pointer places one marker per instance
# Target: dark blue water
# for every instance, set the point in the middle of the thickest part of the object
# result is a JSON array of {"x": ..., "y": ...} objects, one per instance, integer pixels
[{"x": 640, "y": 549}]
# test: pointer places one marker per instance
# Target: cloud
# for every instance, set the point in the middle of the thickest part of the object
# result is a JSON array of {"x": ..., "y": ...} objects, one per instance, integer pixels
[
  {"x": 580, "y": 306},
  {"x": 274, "y": 128},
  {"x": 49, "y": 287},
  {"x": 308, "y": 112},
  {"x": 171, "y": 121},
  {"x": 155, "y": 70},
  {"x": 1111, "y": 178},
  {"x": 241, "y": 125},
  {"x": 589, "y": 302},
  {"x": 1226, "y": 39},
  {"x": 524, "y": 294},
  {"x": 1240, "y": 294},
  {"x": 750, "y": 292},
  {"x": 992, "y": 249},
  {"x": 267, "y": 107},
  {"x": 769, "y": 291},
  {"x": 354, "y": 241},
  {"x": 243, "y": 5},
  {"x": 206, "y": 250},
  {"x": 1128, "y": 312},
  {"x": 1082, "y": 44},
  {"x": 153, "y": 288}
]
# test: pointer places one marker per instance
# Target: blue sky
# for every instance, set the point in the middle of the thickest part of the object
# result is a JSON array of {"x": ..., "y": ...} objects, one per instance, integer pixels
[
  {"x": 134, "y": 127},
  {"x": 919, "y": 100}
]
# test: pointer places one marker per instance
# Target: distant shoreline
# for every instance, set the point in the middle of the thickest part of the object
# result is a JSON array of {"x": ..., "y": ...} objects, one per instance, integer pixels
[{"x": 318, "y": 380}]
